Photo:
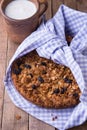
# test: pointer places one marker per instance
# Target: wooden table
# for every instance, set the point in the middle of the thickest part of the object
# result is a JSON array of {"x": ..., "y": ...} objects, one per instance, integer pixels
[{"x": 8, "y": 111}]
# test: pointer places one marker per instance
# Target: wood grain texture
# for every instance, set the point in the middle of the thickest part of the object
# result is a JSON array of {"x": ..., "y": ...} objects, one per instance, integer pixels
[
  {"x": 22, "y": 123},
  {"x": 55, "y": 5},
  {"x": 81, "y": 127},
  {"x": 49, "y": 10},
  {"x": 35, "y": 124},
  {"x": 70, "y": 3},
  {"x": 82, "y": 5},
  {"x": 3, "y": 51},
  {"x": 9, "y": 121}
]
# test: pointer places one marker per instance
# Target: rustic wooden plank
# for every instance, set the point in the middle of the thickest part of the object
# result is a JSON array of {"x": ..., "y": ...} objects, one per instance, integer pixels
[
  {"x": 49, "y": 10},
  {"x": 70, "y": 3},
  {"x": 82, "y": 5},
  {"x": 55, "y": 5},
  {"x": 10, "y": 111},
  {"x": 82, "y": 127},
  {"x": 21, "y": 120},
  {"x": 13, "y": 118},
  {"x": 3, "y": 50},
  {"x": 8, "y": 114},
  {"x": 35, "y": 124}
]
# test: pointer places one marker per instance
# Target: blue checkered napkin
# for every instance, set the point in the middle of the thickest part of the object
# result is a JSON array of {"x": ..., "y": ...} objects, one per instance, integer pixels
[{"x": 49, "y": 41}]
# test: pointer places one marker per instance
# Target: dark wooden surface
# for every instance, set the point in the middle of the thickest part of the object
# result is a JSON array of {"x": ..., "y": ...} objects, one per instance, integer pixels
[{"x": 8, "y": 111}]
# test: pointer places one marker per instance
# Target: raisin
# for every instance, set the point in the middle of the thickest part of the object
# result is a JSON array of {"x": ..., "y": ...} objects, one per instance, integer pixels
[
  {"x": 40, "y": 79},
  {"x": 44, "y": 72},
  {"x": 67, "y": 80},
  {"x": 75, "y": 95},
  {"x": 27, "y": 66},
  {"x": 63, "y": 90},
  {"x": 34, "y": 86},
  {"x": 17, "y": 71},
  {"x": 19, "y": 62},
  {"x": 56, "y": 91},
  {"x": 43, "y": 63}
]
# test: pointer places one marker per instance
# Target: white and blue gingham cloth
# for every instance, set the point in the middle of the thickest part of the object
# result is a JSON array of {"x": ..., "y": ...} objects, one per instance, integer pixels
[{"x": 49, "y": 41}]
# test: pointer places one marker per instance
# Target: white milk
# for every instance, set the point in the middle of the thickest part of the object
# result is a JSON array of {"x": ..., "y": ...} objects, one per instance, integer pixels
[{"x": 20, "y": 9}]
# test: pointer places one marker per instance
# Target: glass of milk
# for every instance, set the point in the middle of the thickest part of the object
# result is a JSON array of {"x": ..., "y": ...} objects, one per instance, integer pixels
[{"x": 22, "y": 17}]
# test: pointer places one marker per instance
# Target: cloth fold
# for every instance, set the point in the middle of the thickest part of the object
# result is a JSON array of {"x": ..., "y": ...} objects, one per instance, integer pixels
[{"x": 50, "y": 42}]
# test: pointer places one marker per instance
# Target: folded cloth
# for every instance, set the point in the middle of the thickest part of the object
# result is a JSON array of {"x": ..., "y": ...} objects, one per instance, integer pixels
[{"x": 50, "y": 42}]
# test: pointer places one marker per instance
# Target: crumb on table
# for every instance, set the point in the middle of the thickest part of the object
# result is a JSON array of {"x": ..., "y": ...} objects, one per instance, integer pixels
[{"x": 18, "y": 117}]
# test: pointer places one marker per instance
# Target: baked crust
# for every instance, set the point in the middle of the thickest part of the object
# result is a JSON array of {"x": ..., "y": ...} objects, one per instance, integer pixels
[{"x": 45, "y": 83}]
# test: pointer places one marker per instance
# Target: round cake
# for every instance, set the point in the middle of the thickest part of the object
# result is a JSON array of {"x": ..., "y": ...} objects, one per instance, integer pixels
[{"x": 45, "y": 83}]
